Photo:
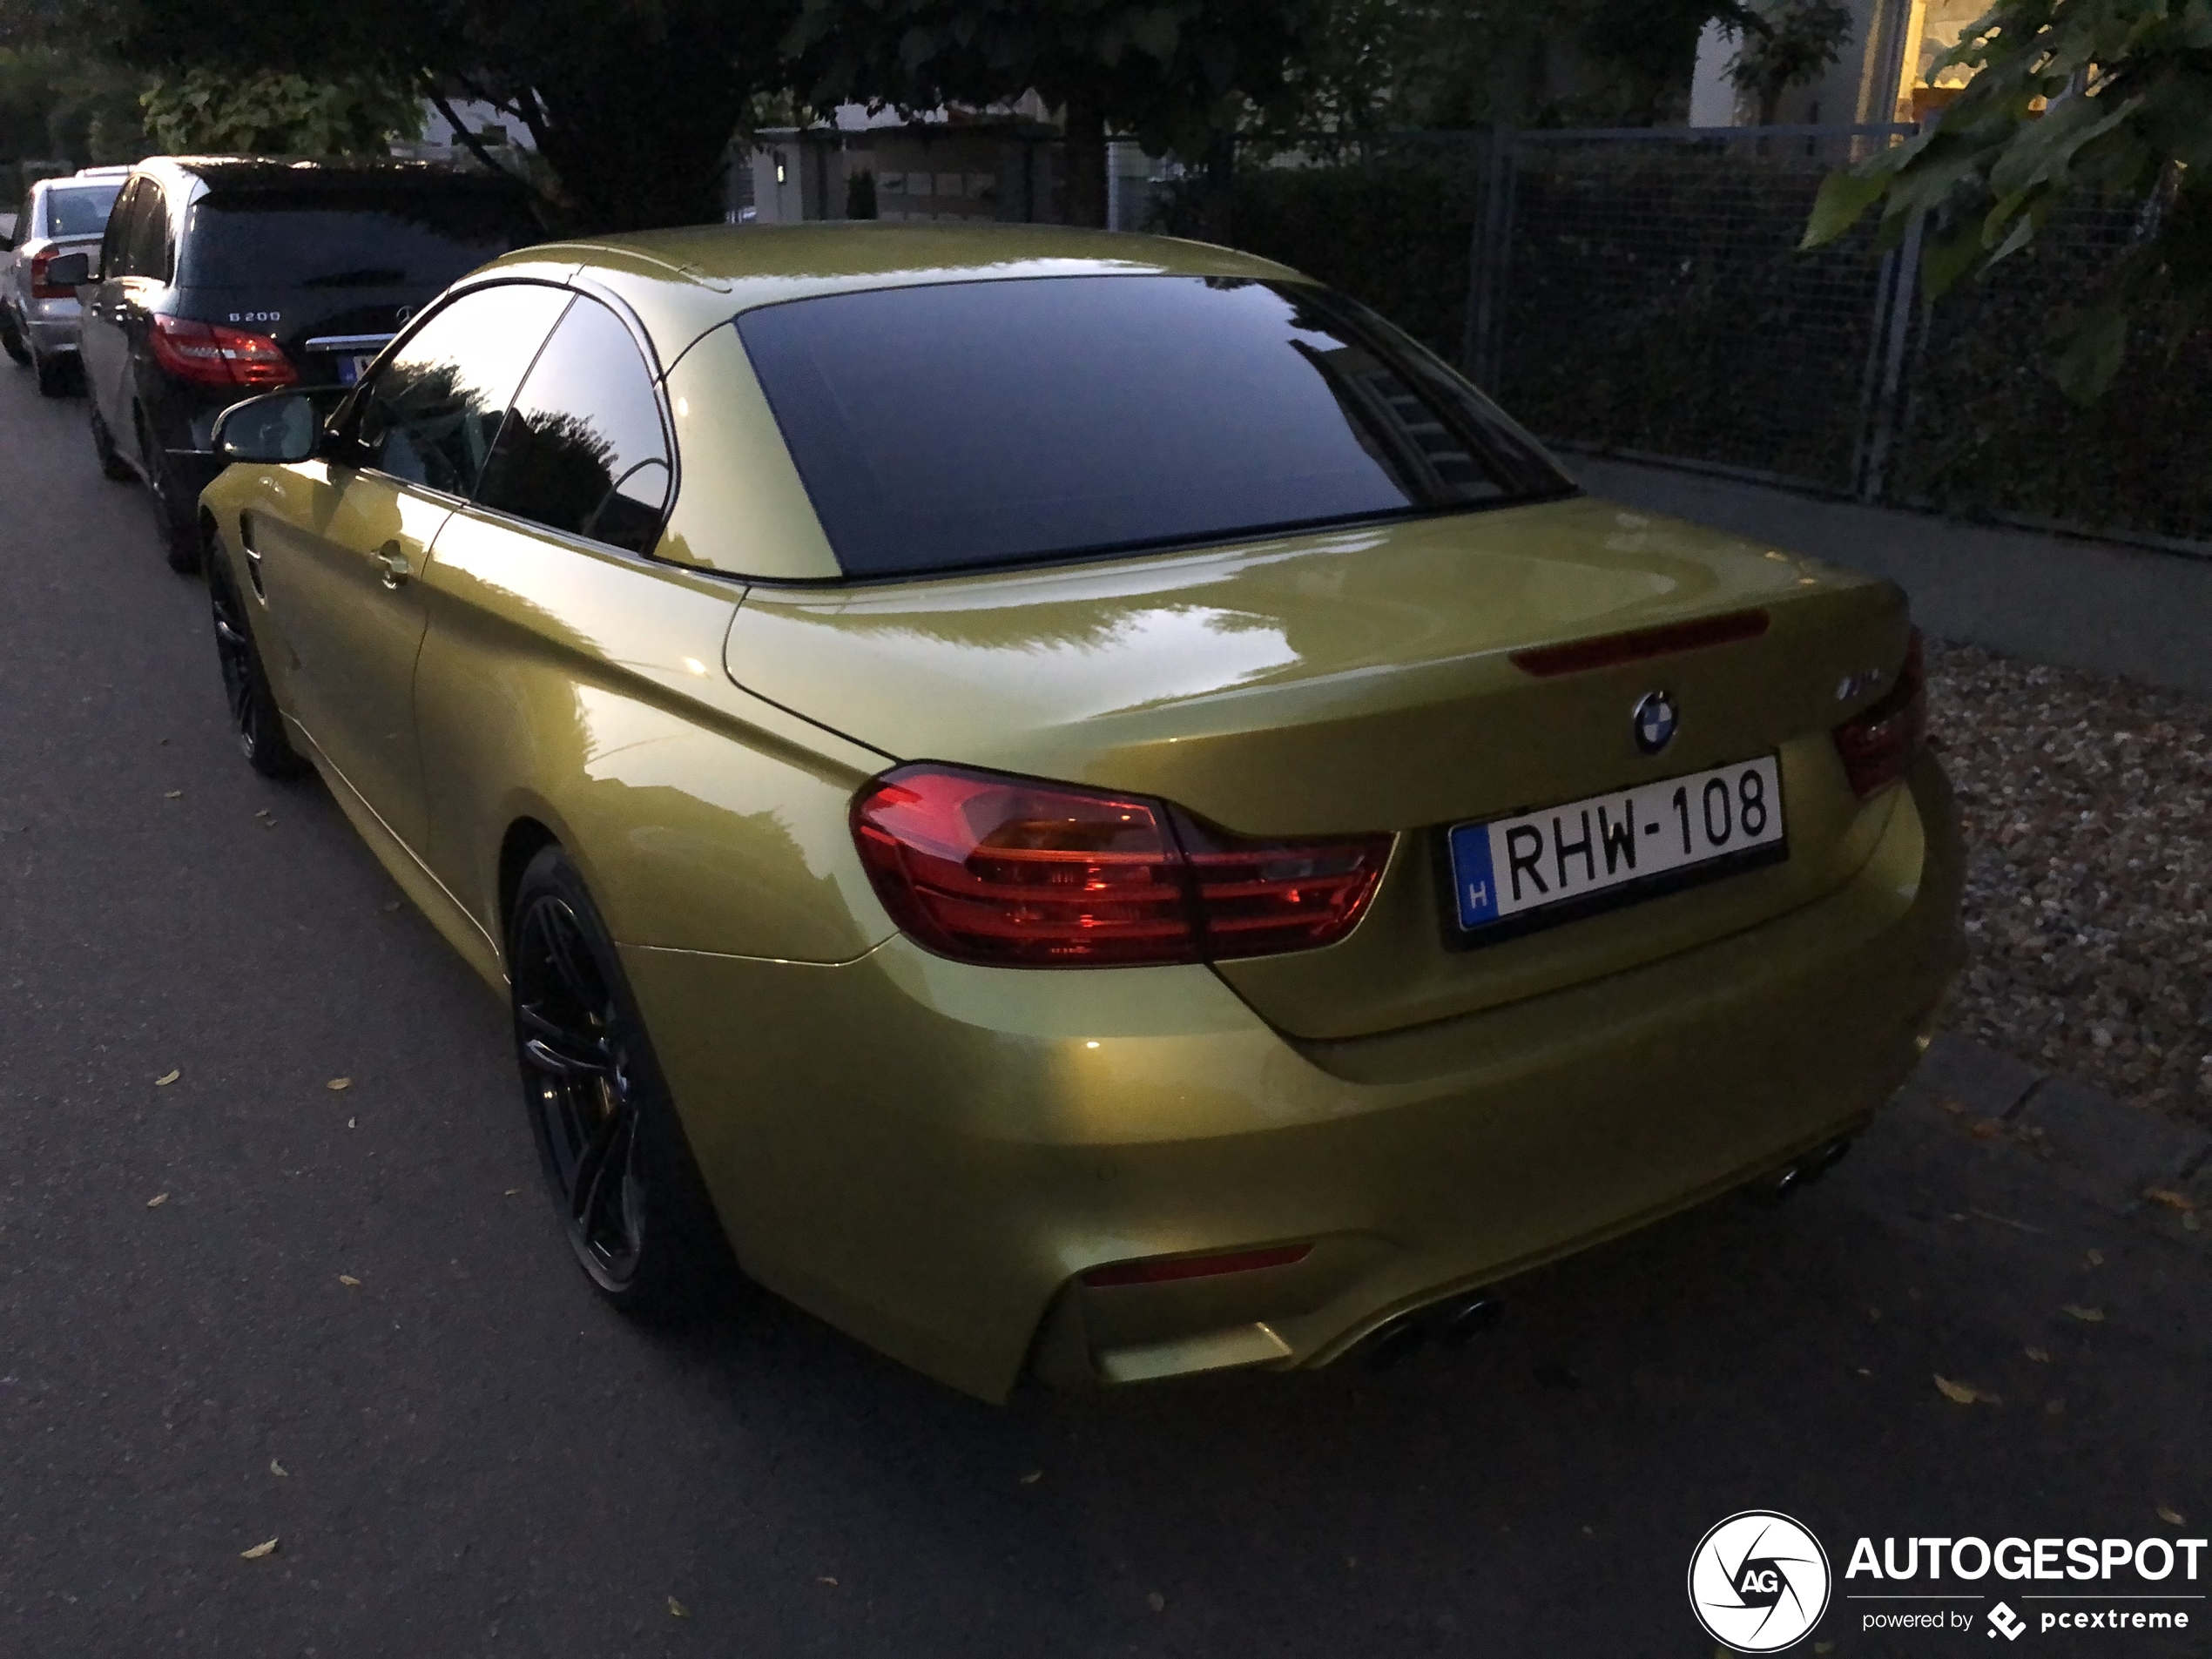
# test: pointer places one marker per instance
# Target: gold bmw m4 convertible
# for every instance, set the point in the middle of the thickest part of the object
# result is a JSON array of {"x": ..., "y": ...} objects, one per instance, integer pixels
[{"x": 1090, "y": 807}]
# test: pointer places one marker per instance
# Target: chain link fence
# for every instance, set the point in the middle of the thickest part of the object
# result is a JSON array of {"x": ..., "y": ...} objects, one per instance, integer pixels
[{"x": 1642, "y": 294}]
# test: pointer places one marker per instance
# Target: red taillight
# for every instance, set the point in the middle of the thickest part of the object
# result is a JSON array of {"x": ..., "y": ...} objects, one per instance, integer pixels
[
  {"x": 41, "y": 289},
  {"x": 1880, "y": 745},
  {"x": 1160, "y": 1269},
  {"x": 986, "y": 868},
  {"x": 208, "y": 354}
]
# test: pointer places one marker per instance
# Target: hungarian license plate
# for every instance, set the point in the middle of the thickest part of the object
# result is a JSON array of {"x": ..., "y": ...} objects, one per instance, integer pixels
[{"x": 1585, "y": 855}]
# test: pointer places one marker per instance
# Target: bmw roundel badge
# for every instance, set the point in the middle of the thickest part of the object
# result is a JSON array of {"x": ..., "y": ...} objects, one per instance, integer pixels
[{"x": 1654, "y": 721}]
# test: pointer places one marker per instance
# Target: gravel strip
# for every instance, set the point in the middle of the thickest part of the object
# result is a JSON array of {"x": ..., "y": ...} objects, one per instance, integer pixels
[{"x": 2087, "y": 804}]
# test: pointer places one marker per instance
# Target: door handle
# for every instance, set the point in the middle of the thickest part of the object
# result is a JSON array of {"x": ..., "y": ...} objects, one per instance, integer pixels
[{"x": 396, "y": 567}]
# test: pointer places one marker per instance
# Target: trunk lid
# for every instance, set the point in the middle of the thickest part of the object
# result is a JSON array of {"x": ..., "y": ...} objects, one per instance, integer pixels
[{"x": 1363, "y": 680}]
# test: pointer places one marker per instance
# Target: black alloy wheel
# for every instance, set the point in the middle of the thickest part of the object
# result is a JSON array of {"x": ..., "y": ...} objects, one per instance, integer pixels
[
  {"x": 622, "y": 1176},
  {"x": 254, "y": 716}
]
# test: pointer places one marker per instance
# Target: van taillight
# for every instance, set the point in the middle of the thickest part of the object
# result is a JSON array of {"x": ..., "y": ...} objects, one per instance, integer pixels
[
  {"x": 986, "y": 868},
  {"x": 208, "y": 354},
  {"x": 1879, "y": 745}
]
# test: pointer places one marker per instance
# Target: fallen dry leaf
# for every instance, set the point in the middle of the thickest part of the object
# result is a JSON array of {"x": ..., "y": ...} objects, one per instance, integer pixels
[
  {"x": 352, "y": 1123},
  {"x": 2042, "y": 1356},
  {"x": 337, "y": 1084},
  {"x": 167, "y": 1078},
  {"x": 172, "y": 794},
  {"x": 156, "y": 1201},
  {"x": 1988, "y": 1129},
  {"x": 260, "y": 812},
  {"x": 393, "y": 905},
  {"x": 1961, "y": 1393},
  {"x": 1956, "y": 1108},
  {"x": 258, "y": 1550},
  {"x": 276, "y": 1467},
  {"x": 268, "y": 823},
  {"x": 510, "y": 1192},
  {"x": 349, "y": 1280},
  {"x": 2171, "y": 1517},
  {"x": 677, "y": 1609},
  {"x": 823, "y": 1578},
  {"x": 2170, "y": 1198},
  {"x": 1033, "y": 1477},
  {"x": 2096, "y": 1259},
  {"x": 2087, "y": 1316}
]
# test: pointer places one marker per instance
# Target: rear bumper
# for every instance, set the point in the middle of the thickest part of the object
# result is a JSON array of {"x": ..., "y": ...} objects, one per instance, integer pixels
[
  {"x": 928, "y": 1155},
  {"x": 53, "y": 336}
]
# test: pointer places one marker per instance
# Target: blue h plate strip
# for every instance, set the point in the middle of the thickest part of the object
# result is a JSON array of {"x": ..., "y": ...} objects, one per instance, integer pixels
[{"x": 1475, "y": 887}]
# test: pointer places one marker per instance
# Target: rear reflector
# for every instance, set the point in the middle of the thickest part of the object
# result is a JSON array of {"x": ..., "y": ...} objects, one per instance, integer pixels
[
  {"x": 1879, "y": 745},
  {"x": 1021, "y": 873},
  {"x": 1605, "y": 651},
  {"x": 1161, "y": 1268}
]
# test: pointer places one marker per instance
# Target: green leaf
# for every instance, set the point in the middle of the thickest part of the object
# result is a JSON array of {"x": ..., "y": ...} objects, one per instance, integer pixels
[
  {"x": 1845, "y": 196},
  {"x": 2085, "y": 368}
]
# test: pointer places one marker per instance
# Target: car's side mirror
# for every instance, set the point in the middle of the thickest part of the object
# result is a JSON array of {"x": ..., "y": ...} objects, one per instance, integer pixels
[
  {"x": 70, "y": 271},
  {"x": 277, "y": 427}
]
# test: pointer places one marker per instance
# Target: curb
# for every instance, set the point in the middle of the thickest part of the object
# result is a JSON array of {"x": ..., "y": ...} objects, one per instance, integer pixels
[{"x": 2149, "y": 1165}]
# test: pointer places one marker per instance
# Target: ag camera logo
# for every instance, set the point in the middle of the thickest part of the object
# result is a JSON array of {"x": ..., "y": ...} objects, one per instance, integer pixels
[{"x": 1759, "y": 1581}]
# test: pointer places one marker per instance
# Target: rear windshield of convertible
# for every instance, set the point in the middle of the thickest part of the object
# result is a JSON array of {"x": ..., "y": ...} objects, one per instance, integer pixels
[{"x": 1021, "y": 420}]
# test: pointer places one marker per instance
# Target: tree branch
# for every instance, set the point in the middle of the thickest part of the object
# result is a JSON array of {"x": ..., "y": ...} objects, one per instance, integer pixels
[{"x": 477, "y": 147}]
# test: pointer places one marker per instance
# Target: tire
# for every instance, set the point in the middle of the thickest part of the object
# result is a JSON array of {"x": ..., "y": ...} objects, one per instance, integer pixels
[
  {"x": 254, "y": 718},
  {"x": 112, "y": 465},
  {"x": 11, "y": 337},
  {"x": 621, "y": 1174},
  {"x": 179, "y": 536},
  {"x": 57, "y": 375}
]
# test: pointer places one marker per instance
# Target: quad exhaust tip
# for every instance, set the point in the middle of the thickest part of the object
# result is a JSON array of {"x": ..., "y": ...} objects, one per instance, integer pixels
[{"x": 1453, "y": 1322}]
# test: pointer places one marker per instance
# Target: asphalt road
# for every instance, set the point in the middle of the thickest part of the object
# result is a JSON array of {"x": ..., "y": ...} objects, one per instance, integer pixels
[{"x": 477, "y": 1460}]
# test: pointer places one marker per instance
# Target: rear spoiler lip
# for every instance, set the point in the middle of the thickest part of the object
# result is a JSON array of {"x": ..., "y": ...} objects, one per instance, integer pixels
[{"x": 1609, "y": 651}]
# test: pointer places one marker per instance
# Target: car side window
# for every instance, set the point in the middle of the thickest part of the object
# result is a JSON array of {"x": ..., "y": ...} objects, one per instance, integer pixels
[
  {"x": 432, "y": 413},
  {"x": 584, "y": 449},
  {"x": 150, "y": 240},
  {"x": 116, "y": 243}
]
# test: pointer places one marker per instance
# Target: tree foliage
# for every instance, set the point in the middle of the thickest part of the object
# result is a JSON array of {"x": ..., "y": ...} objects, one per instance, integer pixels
[
  {"x": 275, "y": 113},
  {"x": 1786, "y": 45},
  {"x": 632, "y": 103},
  {"x": 1179, "y": 75},
  {"x": 2069, "y": 101},
  {"x": 62, "y": 104}
]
